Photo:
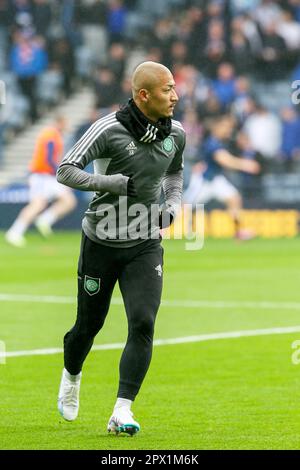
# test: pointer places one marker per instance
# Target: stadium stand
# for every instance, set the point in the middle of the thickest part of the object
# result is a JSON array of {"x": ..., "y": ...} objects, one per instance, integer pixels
[{"x": 231, "y": 56}]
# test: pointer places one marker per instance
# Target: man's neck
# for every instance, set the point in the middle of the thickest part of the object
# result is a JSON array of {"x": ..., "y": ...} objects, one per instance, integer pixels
[{"x": 145, "y": 112}]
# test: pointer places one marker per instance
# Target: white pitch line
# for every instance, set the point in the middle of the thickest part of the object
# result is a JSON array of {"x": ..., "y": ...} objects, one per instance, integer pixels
[
  {"x": 163, "y": 342},
  {"x": 52, "y": 299}
]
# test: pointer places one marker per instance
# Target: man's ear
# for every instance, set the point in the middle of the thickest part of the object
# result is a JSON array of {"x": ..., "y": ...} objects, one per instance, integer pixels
[{"x": 144, "y": 95}]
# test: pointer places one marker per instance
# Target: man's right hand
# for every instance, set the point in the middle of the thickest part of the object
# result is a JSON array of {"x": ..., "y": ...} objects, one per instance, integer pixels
[
  {"x": 251, "y": 166},
  {"x": 119, "y": 185}
]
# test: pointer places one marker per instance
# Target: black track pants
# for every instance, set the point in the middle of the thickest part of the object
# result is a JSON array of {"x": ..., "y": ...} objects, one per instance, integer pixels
[{"x": 139, "y": 273}]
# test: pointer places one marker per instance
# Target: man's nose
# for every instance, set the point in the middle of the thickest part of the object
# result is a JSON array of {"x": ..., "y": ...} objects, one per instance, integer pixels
[{"x": 174, "y": 96}]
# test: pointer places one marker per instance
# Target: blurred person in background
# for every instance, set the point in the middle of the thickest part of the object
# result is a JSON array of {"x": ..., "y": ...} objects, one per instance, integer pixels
[
  {"x": 272, "y": 59},
  {"x": 215, "y": 49},
  {"x": 2, "y": 130},
  {"x": 243, "y": 104},
  {"x": 264, "y": 130},
  {"x": 212, "y": 182},
  {"x": 194, "y": 133},
  {"x": 43, "y": 187},
  {"x": 107, "y": 88},
  {"x": 116, "y": 59},
  {"x": 224, "y": 86},
  {"x": 6, "y": 22},
  {"x": 28, "y": 59},
  {"x": 62, "y": 55},
  {"x": 116, "y": 20},
  {"x": 290, "y": 144},
  {"x": 42, "y": 16},
  {"x": 92, "y": 18},
  {"x": 240, "y": 53}
]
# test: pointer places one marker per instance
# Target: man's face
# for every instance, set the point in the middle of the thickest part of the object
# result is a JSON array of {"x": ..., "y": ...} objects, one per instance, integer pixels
[{"x": 162, "y": 98}]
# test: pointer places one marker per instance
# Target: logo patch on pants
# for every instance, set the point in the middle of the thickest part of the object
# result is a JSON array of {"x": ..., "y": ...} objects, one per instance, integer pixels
[{"x": 92, "y": 285}]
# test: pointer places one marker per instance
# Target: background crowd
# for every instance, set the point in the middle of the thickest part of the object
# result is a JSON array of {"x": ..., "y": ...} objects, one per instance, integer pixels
[{"x": 239, "y": 57}]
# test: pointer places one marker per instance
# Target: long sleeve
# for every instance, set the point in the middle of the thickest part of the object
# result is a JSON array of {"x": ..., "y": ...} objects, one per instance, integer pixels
[
  {"x": 90, "y": 147},
  {"x": 173, "y": 180},
  {"x": 76, "y": 178}
]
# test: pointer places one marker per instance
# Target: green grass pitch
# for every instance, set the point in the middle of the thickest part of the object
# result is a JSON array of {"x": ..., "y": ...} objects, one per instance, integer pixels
[{"x": 232, "y": 393}]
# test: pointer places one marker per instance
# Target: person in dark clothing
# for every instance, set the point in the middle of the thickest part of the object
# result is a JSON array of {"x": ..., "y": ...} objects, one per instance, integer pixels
[{"x": 142, "y": 141}]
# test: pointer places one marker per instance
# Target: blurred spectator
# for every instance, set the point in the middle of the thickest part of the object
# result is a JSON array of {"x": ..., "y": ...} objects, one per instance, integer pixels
[
  {"x": 194, "y": 132},
  {"x": 215, "y": 49},
  {"x": 239, "y": 7},
  {"x": 210, "y": 109},
  {"x": 22, "y": 10},
  {"x": 178, "y": 55},
  {"x": 126, "y": 91},
  {"x": 294, "y": 6},
  {"x": 2, "y": 130},
  {"x": 267, "y": 13},
  {"x": 249, "y": 28},
  {"x": 93, "y": 18},
  {"x": 290, "y": 145},
  {"x": 289, "y": 30},
  {"x": 106, "y": 88},
  {"x": 42, "y": 16},
  {"x": 61, "y": 54},
  {"x": 116, "y": 59},
  {"x": 6, "y": 21},
  {"x": 240, "y": 53},
  {"x": 271, "y": 60},
  {"x": 224, "y": 86},
  {"x": 198, "y": 34},
  {"x": 163, "y": 36},
  {"x": 154, "y": 54},
  {"x": 264, "y": 131},
  {"x": 116, "y": 20},
  {"x": 243, "y": 104},
  {"x": 28, "y": 59},
  {"x": 70, "y": 19},
  {"x": 191, "y": 87},
  {"x": 215, "y": 10}
]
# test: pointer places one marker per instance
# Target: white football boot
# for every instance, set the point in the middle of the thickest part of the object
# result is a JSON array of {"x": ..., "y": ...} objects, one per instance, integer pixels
[
  {"x": 122, "y": 421},
  {"x": 44, "y": 228},
  {"x": 15, "y": 239},
  {"x": 68, "y": 397}
]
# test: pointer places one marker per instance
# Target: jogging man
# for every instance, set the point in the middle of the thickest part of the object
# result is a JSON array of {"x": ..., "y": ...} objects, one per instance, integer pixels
[
  {"x": 212, "y": 182},
  {"x": 136, "y": 152},
  {"x": 43, "y": 187}
]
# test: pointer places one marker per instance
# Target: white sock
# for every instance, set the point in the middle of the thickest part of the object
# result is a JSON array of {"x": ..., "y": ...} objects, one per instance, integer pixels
[
  {"x": 123, "y": 402},
  {"x": 72, "y": 378},
  {"x": 18, "y": 227},
  {"x": 48, "y": 217}
]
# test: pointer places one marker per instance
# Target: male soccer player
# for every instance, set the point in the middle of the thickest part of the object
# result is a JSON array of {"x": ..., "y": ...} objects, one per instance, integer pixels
[
  {"x": 212, "y": 183},
  {"x": 136, "y": 152},
  {"x": 43, "y": 187}
]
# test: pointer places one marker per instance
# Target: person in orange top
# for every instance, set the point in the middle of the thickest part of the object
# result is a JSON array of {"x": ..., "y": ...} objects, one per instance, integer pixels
[
  {"x": 48, "y": 151},
  {"x": 43, "y": 187}
]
